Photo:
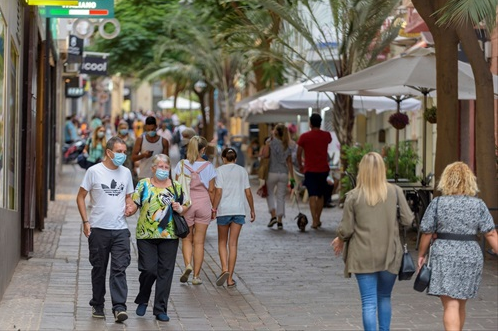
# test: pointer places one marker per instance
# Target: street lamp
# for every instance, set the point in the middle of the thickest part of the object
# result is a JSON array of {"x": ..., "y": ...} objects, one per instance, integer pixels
[
  {"x": 199, "y": 86},
  {"x": 323, "y": 115}
]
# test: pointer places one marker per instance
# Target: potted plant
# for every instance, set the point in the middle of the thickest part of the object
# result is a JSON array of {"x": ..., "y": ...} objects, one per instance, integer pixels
[
  {"x": 430, "y": 114},
  {"x": 399, "y": 120}
]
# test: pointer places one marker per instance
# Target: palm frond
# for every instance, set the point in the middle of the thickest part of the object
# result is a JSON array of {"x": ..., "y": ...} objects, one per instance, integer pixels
[{"x": 459, "y": 12}]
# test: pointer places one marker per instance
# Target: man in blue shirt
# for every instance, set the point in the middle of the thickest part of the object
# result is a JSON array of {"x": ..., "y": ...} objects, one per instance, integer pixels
[
  {"x": 221, "y": 133},
  {"x": 70, "y": 133}
]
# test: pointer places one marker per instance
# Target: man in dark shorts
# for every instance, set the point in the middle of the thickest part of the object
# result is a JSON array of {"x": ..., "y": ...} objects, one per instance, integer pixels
[{"x": 314, "y": 144}]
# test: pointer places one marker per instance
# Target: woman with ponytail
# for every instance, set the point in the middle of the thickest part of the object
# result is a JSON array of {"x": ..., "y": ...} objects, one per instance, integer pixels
[
  {"x": 278, "y": 175},
  {"x": 202, "y": 175},
  {"x": 232, "y": 189}
]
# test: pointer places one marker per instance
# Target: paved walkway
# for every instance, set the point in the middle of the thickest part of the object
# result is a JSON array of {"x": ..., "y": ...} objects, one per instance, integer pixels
[{"x": 286, "y": 280}]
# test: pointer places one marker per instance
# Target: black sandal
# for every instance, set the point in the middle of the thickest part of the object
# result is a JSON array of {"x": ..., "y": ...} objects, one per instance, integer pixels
[{"x": 232, "y": 285}]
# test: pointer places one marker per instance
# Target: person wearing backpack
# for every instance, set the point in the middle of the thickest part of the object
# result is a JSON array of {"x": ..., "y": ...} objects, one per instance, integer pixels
[{"x": 202, "y": 176}]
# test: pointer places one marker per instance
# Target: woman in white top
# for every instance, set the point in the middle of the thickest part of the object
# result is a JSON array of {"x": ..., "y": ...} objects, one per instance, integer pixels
[
  {"x": 198, "y": 217},
  {"x": 232, "y": 186}
]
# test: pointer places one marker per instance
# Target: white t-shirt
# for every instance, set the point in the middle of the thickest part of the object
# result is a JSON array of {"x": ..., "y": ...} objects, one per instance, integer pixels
[
  {"x": 233, "y": 180},
  {"x": 205, "y": 175},
  {"x": 108, "y": 189},
  {"x": 146, "y": 163}
]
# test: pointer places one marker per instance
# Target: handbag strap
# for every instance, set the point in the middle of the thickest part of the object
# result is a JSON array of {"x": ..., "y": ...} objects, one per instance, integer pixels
[
  {"x": 398, "y": 217},
  {"x": 174, "y": 189},
  {"x": 435, "y": 230},
  {"x": 436, "y": 218}
]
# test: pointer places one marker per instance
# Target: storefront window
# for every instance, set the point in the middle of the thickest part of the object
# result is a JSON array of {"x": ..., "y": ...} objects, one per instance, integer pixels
[
  {"x": 2, "y": 112},
  {"x": 12, "y": 142}
]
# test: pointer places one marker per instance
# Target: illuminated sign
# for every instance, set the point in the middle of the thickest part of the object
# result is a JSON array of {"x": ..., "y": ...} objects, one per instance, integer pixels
[{"x": 52, "y": 2}]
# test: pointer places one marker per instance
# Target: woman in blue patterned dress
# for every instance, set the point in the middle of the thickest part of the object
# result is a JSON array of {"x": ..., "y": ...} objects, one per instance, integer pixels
[
  {"x": 156, "y": 240},
  {"x": 456, "y": 258}
]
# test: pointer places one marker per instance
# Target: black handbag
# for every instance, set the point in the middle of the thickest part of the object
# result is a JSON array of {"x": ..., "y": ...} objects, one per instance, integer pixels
[
  {"x": 407, "y": 268},
  {"x": 181, "y": 227},
  {"x": 423, "y": 278},
  {"x": 424, "y": 275}
]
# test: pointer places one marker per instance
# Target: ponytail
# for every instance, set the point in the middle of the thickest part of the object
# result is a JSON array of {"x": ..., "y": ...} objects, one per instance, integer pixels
[
  {"x": 283, "y": 135},
  {"x": 195, "y": 145}
]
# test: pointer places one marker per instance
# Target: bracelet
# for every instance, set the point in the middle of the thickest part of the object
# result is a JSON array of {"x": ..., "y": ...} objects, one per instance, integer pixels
[
  {"x": 214, "y": 210},
  {"x": 84, "y": 222}
]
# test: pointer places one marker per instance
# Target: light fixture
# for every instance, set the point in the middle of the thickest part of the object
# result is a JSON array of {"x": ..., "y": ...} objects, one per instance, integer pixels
[{"x": 199, "y": 86}]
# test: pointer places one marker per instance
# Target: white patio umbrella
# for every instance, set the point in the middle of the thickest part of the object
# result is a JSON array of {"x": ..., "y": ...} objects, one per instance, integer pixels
[
  {"x": 181, "y": 103},
  {"x": 297, "y": 97},
  {"x": 412, "y": 73}
]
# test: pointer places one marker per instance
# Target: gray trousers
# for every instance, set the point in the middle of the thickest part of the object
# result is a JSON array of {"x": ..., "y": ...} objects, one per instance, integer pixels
[
  {"x": 278, "y": 180},
  {"x": 101, "y": 244}
]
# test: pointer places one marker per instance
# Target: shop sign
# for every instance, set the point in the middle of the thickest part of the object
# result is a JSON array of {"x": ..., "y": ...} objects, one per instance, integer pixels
[
  {"x": 94, "y": 65},
  {"x": 52, "y": 2},
  {"x": 83, "y": 9},
  {"x": 74, "y": 49},
  {"x": 74, "y": 92}
]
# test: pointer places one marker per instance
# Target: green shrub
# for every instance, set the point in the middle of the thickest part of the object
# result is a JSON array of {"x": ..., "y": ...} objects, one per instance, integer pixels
[{"x": 407, "y": 162}]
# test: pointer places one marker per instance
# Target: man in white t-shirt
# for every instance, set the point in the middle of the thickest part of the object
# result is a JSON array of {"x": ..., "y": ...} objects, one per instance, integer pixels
[{"x": 110, "y": 186}]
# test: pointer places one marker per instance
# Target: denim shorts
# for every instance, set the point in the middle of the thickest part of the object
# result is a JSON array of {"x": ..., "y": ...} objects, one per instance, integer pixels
[{"x": 226, "y": 220}]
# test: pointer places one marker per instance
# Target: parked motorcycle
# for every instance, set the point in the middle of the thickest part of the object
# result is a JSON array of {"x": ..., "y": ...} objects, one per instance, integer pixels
[{"x": 70, "y": 152}]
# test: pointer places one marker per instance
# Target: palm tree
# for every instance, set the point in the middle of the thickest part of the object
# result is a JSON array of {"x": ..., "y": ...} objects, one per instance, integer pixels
[
  {"x": 250, "y": 29},
  {"x": 451, "y": 22},
  {"x": 360, "y": 30},
  {"x": 195, "y": 55}
]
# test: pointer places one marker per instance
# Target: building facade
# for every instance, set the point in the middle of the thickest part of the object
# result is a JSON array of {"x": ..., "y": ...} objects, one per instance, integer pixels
[{"x": 29, "y": 100}]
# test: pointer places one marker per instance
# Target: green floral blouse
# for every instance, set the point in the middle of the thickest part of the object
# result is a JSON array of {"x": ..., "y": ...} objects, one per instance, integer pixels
[{"x": 156, "y": 217}]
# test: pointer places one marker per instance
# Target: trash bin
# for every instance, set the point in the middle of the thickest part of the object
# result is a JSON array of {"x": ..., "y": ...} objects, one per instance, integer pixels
[{"x": 236, "y": 143}]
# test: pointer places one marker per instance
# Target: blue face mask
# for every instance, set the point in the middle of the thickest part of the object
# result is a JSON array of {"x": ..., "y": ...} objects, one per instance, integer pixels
[
  {"x": 152, "y": 133},
  {"x": 123, "y": 132},
  {"x": 119, "y": 159},
  {"x": 162, "y": 174},
  {"x": 205, "y": 157}
]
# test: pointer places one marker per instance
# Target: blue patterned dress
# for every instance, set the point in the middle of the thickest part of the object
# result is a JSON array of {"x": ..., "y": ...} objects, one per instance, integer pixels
[{"x": 456, "y": 265}]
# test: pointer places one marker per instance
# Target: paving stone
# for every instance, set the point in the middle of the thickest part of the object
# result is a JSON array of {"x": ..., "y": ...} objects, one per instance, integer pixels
[{"x": 286, "y": 280}]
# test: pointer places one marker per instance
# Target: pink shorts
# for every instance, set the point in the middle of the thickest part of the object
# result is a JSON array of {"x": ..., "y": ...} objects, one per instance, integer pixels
[{"x": 200, "y": 210}]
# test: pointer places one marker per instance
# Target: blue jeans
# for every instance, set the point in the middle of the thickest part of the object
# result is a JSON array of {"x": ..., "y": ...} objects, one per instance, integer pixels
[{"x": 375, "y": 291}]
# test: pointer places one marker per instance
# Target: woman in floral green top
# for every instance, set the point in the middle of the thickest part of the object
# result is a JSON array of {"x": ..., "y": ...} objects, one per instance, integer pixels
[{"x": 156, "y": 240}]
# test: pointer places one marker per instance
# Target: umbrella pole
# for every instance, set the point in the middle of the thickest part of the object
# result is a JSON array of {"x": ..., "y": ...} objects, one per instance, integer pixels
[
  {"x": 396, "y": 155},
  {"x": 424, "y": 137}
]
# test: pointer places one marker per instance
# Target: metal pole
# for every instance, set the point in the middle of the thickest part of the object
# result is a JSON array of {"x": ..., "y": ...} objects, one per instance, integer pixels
[
  {"x": 424, "y": 137},
  {"x": 396, "y": 155}
]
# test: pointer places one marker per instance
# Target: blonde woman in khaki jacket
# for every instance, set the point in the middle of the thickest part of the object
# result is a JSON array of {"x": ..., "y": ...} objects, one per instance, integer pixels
[{"x": 370, "y": 229}]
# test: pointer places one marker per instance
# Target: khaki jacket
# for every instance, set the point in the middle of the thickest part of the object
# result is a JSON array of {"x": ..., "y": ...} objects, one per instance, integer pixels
[{"x": 371, "y": 233}]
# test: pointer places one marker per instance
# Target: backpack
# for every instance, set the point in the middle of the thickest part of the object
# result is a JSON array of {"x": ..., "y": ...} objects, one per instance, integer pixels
[
  {"x": 194, "y": 175},
  {"x": 177, "y": 137}
]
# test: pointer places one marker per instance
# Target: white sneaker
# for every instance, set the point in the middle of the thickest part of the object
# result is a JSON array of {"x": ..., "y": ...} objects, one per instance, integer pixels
[{"x": 196, "y": 281}]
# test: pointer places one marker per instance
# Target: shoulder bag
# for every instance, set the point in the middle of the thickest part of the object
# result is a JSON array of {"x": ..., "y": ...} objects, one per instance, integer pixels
[
  {"x": 264, "y": 164},
  {"x": 184, "y": 181},
  {"x": 424, "y": 275},
  {"x": 181, "y": 227},
  {"x": 407, "y": 265}
]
